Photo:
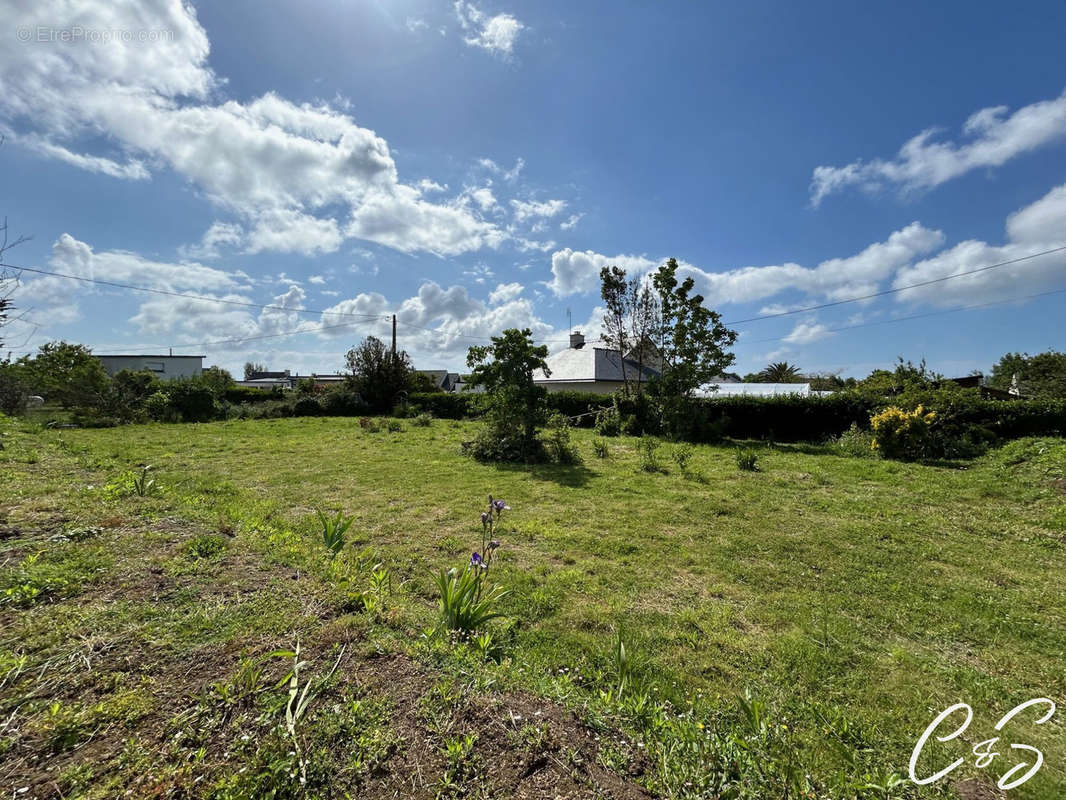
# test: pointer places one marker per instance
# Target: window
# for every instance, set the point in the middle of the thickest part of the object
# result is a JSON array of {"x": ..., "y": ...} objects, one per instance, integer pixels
[{"x": 155, "y": 366}]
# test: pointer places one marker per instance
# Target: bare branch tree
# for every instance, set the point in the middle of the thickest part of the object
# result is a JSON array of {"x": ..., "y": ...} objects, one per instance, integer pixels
[{"x": 9, "y": 274}]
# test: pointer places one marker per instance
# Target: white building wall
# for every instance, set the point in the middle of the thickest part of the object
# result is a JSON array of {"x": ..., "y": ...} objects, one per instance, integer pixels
[
  {"x": 164, "y": 367},
  {"x": 595, "y": 387}
]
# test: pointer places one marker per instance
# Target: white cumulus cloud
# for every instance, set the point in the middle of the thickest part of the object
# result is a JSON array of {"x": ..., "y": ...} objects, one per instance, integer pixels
[
  {"x": 496, "y": 34},
  {"x": 505, "y": 292},
  {"x": 299, "y": 177},
  {"x": 991, "y": 138}
]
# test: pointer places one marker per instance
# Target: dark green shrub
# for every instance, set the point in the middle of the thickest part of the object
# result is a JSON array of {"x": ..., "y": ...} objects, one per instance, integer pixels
[
  {"x": 342, "y": 403},
  {"x": 157, "y": 407},
  {"x": 423, "y": 420},
  {"x": 248, "y": 394},
  {"x": 89, "y": 418},
  {"x": 637, "y": 415},
  {"x": 492, "y": 443},
  {"x": 13, "y": 390},
  {"x": 786, "y": 418},
  {"x": 445, "y": 405},
  {"x": 192, "y": 401},
  {"x": 276, "y": 409},
  {"x": 307, "y": 406},
  {"x": 129, "y": 391}
]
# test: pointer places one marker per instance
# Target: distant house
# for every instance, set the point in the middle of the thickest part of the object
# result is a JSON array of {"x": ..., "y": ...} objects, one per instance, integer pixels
[
  {"x": 321, "y": 379},
  {"x": 289, "y": 380},
  {"x": 263, "y": 375},
  {"x": 737, "y": 389},
  {"x": 266, "y": 380},
  {"x": 987, "y": 392},
  {"x": 265, "y": 383},
  {"x": 590, "y": 368},
  {"x": 441, "y": 379},
  {"x": 165, "y": 368}
]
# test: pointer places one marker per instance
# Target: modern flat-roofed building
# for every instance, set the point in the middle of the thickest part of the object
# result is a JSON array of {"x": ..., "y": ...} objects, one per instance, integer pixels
[{"x": 165, "y": 368}]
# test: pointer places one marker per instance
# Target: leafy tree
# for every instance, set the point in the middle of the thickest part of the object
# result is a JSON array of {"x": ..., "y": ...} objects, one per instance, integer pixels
[
  {"x": 216, "y": 379},
  {"x": 905, "y": 376},
  {"x": 68, "y": 374},
  {"x": 515, "y": 405},
  {"x": 421, "y": 382},
  {"x": 1042, "y": 375},
  {"x": 630, "y": 322},
  {"x": 13, "y": 391},
  {"x": 8, "y": 274},
  {"x": 252, "y": 367},
  {"x": 378, "y": 374},
  {"x": 830, "y": 383},
  {"x": 645, "y": 320},
  {"x": 781, "y": 372},
  {"x": 691, "y": 338},
  {"x": 130, "y": 389},
  {"x": 190, "y": 399},
  {"x": 615, "y": 330}
]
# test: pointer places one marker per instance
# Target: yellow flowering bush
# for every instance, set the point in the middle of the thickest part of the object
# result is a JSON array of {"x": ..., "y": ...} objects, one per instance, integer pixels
[{"x": 902, "y": 434}]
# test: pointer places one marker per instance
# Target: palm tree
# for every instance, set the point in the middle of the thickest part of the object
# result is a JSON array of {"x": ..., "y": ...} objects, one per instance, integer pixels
[{"x": 781, "y": 372}]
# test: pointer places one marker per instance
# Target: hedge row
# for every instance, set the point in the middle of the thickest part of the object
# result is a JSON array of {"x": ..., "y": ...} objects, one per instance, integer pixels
[
  {"x": 784, "y": 418},
  {"x": 248, "y": 394},
  {"x": 464, "y": 406},
  {"x": 793, "y": 418},
  {"x": 444, "y": 405}
]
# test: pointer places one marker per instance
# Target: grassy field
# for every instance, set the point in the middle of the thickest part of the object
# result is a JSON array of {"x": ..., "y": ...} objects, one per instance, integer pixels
[{"x": 851, "y": 600}]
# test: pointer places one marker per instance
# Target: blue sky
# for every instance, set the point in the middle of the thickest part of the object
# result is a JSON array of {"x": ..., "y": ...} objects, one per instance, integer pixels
[{"x": 470, "y": 166}]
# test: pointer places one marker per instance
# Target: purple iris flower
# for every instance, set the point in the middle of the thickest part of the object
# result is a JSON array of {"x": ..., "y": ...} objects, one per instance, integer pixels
[
  {"x": 500, "y": 505},
  {"x": 477, "y": 561}
]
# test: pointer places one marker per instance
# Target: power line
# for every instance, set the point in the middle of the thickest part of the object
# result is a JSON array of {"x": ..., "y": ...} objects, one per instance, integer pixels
[
  {"x": 253, "y": 338},
  {"x": 895, "y": 290},
  {"x": 169, "y": 293},
  {"x": 833, "y": 303},
  {"x": 922, "y": 316},
  {"x": 442, "y": 334}
]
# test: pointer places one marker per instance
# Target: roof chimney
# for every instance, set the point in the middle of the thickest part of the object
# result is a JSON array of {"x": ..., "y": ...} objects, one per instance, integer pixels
[{"x": 577, "y": 340}]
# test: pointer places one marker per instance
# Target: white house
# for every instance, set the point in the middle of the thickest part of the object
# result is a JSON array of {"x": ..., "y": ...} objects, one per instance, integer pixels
[
  {"x": 166, "y": 367},
  {"x": 588, "y": 368}
]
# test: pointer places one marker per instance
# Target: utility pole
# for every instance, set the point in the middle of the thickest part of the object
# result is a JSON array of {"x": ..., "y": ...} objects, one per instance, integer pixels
[
  {"x": 394, "y": 335},
  {"x": 570, "y": 320}
]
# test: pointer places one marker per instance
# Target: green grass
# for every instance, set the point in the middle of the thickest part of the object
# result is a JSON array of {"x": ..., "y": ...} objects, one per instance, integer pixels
[{"x": 855, "y": 597}]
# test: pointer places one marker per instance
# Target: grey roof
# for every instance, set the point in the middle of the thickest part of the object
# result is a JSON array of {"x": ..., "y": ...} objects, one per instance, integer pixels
[
  {"x": 590, "y": 364},
  {"x": 444, "y": 379},
  {"x": 440, "y": 374}
]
